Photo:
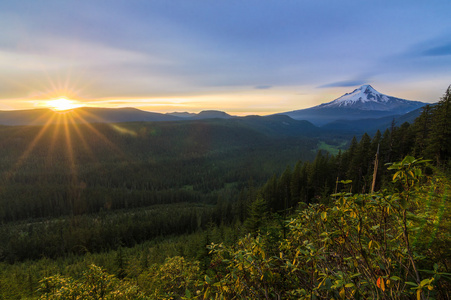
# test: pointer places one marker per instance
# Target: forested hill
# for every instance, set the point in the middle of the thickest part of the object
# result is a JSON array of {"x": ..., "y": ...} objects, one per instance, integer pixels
[{"x": 78, "y": 168}]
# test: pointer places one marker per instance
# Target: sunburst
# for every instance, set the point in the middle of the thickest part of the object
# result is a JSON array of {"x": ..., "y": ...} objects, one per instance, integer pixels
[
  {"x": 62, "y": 104},
  {"x": 64, "y": 128}
]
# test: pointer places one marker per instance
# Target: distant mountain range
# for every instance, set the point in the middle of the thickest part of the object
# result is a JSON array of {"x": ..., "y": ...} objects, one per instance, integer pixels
[
  {"x": 365, "y": 109},
  {"x": 205, "y": 114},
  {"x": 364, "y": 103},
  {"x": 98, "y": 115}
]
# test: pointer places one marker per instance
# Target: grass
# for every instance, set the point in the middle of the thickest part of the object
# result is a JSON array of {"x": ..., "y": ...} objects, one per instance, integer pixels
[{"x": 332, "y": 149}]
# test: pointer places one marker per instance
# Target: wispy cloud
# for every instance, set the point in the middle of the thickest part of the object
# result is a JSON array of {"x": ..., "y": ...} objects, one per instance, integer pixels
[
  {"x": 346, "y": 83},
  {"x": 262, "y": 87},
  {"x": 440, "y": 50}
]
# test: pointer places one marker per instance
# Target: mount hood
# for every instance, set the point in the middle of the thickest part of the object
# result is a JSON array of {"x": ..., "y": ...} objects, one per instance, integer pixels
[{"x": 363, "y": 103}]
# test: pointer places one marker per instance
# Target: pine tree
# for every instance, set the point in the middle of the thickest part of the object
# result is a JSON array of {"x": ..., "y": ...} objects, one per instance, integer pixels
[
  {"x": 440, "y": 136},
  {"x": 347, "y": 156},
  {"x": 121, "y": 263},
  {"x": 385, "y": 146},
  {"x": 358, "y": 161},
  {"x": 404, "y": 141},
  {"x": 296, "y": 184},
  {"x": 270, "y": 193},
  {"x": 257, "y": 215},
  {"x": 421, "y": 129},
  {"x": 284, "y": 189}
]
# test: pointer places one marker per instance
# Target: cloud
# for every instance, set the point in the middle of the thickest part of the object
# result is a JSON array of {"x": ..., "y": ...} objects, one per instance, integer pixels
[
  {"x": 346, "y": 83},
  {"x": 262, "y": 87},
  {"x": 441, "y": 50}
]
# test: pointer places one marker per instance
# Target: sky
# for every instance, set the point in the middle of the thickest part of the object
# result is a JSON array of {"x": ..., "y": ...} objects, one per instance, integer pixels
[{"x": 238, "y": 56}]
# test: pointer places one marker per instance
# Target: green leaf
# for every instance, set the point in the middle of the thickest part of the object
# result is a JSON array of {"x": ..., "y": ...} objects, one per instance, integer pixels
[
  {"x": 208, "y": 280},
  {"x": 396, "y": 175},
  {"x": 187, "y": 294},
  {"x": 403, "y": 203},
  {"x": 425, "y": 281},
  {"x": 411, "y": 283},
  {"x": 346, "y": 181},
  {"x": 408, "y": 160}
]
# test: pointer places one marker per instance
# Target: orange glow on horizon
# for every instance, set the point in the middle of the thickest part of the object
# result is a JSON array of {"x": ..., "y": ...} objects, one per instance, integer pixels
[{"x": 62, "y": 104}]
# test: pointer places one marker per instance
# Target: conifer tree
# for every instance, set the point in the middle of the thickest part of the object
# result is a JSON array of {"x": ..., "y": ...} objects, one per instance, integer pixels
[
  {"x": 440, "y": 136},
  {"x": 296, "y": 184},
  {"x": 257, "y": 215},
  {"x": 348, "y": 155},
  {"x": 121, "y": 263},
  {"x": 385, "y": 146},
  {"x": 404, "y": 141},
  {"x": 421, "y": 129},
  {"x": 284, "y": 188}
]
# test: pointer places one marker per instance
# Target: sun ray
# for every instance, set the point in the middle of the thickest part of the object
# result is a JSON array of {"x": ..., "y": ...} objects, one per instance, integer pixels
[
  {"x": 55, "y": 134},
  {"x": 69, "y": 149},
  {"x": 29, "y": 149},
  {"x": 98, "y": 133},
  {"x": 81, "y": 137}
]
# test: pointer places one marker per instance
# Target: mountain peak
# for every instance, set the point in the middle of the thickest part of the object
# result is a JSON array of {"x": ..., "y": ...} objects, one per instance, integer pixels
[
  {"x": 363, "y": 103},
  {"x": 367, "y": 89},
  {"x": 213, "y": 114},
  {"x": 365, "y": 93}
]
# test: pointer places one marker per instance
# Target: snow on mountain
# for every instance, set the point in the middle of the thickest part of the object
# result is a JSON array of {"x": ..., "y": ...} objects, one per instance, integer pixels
[
  {"x": 363, "y": 94},
  {"x": 364, "y": 102},
  {"x": 367, "y": 98}
]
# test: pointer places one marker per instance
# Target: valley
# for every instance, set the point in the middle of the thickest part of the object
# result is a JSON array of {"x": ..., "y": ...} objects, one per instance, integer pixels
[{"x": 74, "y": 193}]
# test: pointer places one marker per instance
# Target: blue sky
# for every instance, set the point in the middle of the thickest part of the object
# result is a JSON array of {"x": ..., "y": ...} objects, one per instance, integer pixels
[{"x": 243, "y": 57}]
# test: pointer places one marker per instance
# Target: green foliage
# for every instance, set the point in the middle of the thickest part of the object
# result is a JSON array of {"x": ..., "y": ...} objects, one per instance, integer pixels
[
  {"x": 257, "y": 215},
  {"x": 408, "y": 171},
  {"x": 359, "y": 247},
  {"x": 173, "y": 279},
  {"x": 439, "y": 142},
  {"x": 94, "y": 284},
  {"x": 385, "y": 245},
  {"x": 331, "y": 148}
]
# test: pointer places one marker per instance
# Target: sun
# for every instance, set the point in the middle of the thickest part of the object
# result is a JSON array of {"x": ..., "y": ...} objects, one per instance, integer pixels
[{"x": 62, "y": 104}]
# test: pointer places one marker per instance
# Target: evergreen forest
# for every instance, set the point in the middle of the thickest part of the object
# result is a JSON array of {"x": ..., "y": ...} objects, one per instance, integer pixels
[{"x": 226, "y": 209}]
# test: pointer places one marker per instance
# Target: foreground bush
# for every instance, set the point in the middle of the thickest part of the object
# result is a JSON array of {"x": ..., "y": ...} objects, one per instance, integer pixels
[
  {"x": 374, "y": 246},
  {"x": 94, "y": 284}
]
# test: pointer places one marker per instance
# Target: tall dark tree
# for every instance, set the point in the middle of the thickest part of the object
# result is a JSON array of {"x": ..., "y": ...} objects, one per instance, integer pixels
[
  {"x": 296, "y": 184},
  {"x": 405, "y": 139},
  {"x": 421, "y": 129},
  {"x": 385, "y": 147},
  {"x": 270, "y": 193},
  {"x": 258, "y": 211},
  {"x": 284, "y": 188},
  {"x": 440, "y": 137},
  {"x": 359, "y": 161}
]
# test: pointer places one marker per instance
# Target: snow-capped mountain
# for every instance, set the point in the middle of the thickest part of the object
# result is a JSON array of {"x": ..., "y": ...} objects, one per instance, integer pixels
[
  {"x": 367, "y": 98},
  {"x": 363, "y": 103}
]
